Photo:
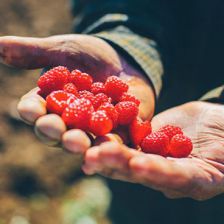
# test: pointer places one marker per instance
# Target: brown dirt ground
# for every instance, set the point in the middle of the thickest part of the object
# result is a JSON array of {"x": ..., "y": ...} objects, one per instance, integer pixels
[{"x": 28, "y": 168}]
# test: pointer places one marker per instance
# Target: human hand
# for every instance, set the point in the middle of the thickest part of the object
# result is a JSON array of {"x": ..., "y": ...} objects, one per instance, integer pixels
[
  {"x": 200, "y": 176},
  {"x": 87, "y": 53}
]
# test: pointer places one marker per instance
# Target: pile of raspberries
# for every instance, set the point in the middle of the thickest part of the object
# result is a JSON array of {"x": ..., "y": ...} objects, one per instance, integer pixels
[{"x": 99, "y": 108}]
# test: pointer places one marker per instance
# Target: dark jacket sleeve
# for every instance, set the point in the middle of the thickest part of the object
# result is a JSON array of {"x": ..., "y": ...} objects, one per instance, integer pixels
[{"x": 131, "y": 27}]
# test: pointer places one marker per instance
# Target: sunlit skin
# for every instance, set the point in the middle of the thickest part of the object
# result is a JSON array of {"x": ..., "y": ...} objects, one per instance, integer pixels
[
  {"x": 87, "y": 53},
  {"x": 200, "y": 176}
]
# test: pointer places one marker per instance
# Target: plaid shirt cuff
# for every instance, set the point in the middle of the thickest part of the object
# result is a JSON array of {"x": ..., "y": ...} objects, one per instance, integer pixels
[
  {"x": 215, "y": 95},
  {"x": 141, "y": 50}
]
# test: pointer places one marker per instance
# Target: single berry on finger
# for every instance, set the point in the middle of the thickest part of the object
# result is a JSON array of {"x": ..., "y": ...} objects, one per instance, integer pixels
[
  {"x": 100, "y": 123},
  {"x": 57, "y": 101},
  {"x": 97, "y": 87},
  {"x": 180, "y": 146},
  {"x": 70, "y": 88},
  {"x": 115, "y": 87},
  {"x": 99, "y": 99},
  {"x": 111, "y": 112},
  {"x": 127, "y": 112},
  {"x": 82, "y": 81},
  {"x": 171, "y": 130},
  {"x": 53, "y": 80},
  {"x": 156, "y": 143},
  {"x": 129, "y": 97},
  {"x": 78, "y": 113},
  {"x": 138, "y": 130}
]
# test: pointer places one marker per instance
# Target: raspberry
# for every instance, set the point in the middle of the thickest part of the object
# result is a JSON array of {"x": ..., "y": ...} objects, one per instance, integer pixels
[
  {"x": 70, "y": 88},
  {"x": 115, "y": 87},
  {"x": 57, "y": 101},
  {"x": 53, "y": 80},
  {"x": 111, "y": 112},
  {"x": 156, "y": 143},
  {"x": 97, "y": 87},
  {"x": 138, "y": 130},
  {"x": 78, "y": 113},
  {"x": 129, "y": 97},
  {"x": 100, "y": 123},
  {"x": 41, "y": 93},
  {"x": 82, "y": 81},
  {"x": 170, "y": 130},
  {"x": 180, "y": 146},
  {"x": 99, "y": 99},
  {"x": 127, "y": 112},
  {"x": 87, "y": 95}
]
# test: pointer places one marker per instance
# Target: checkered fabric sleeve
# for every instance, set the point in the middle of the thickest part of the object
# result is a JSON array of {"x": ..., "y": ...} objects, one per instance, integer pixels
[
  {"x": 142, "y": 51},
  {"x": 215, "y": 95}
]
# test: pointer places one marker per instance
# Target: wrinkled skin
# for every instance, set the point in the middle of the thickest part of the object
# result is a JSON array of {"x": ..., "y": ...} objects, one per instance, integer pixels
[
  {"x": 87, "y": 53},
  {"x": 200, "y": 176}
]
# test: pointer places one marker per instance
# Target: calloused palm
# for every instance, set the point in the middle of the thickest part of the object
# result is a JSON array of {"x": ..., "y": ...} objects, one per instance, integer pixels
[
  {"x": 87, "y": 53},
  {"x": 200, "y": 176}
]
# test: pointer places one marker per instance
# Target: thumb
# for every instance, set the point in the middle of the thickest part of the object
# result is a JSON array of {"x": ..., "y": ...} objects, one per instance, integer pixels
[{"x": 24, "y": 52}]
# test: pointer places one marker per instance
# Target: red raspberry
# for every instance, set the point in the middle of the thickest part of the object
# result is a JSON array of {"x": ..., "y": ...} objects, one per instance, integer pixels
[
  {"x": 170, "y": 130},
  {"x": 127, "y": 112},
  {"x": 111, "y": 112},
  {"x": 78, "y": 113},
  {"x": 129, "y": 97},
  {"x": 156, "y": 143},
  {"x": 70, "y": 88},
  {"x": 180, "y": 146},
  {"x": 138, "y": 130},
  {"x": 53, "y": 80},
  {"x": 57, "y": 101},
  {"x": 97, "y": 87},
  {"x": 100, "y": 123},
  {"x": 82, "y": 81},
  {"x": 41, "y": 93},
  {"x": 115, "y": 87},
  {"x": 87, "y": 95},
  {"x": 99, "y": 99}
]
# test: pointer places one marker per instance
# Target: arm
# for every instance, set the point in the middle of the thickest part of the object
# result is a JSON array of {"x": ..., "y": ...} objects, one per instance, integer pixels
[
  {"x": 131, "y": 27},
  {"x": 85, "y": 52}
]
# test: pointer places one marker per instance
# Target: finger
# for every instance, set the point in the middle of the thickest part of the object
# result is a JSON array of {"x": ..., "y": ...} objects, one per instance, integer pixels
[
  {"x": 159, "y": 173},
  {"x": 32, "y": 93},
  {"x": 109, "y": 159},
  {"x": 25, "y": 52},
  {"x": 49, "y": 128},
  {"x": 91, "y": 163},
  {"x": 108, "y": 138},
  {"x": 115, "y": 156},
  {"x": 31, "y": 106},
  {"x": 76, "y": 141}
]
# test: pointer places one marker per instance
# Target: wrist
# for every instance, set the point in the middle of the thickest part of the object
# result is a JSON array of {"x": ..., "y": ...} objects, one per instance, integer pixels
[{"x": 140, "y": 87}]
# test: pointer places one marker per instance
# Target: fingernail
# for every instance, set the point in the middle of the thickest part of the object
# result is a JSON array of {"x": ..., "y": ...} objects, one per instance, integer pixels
[
  {"x": 45, "y": 139},
  {"x": 51, "y": 125},
  {"x": 31, "y": 110},
  {"x": 76, "y": 141}
]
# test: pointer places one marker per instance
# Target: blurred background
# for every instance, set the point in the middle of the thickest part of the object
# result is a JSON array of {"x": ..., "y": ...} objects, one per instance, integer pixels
[{"x": 39, "y": 184}]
